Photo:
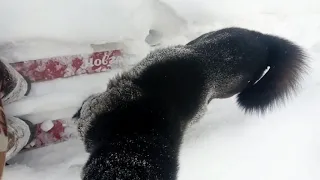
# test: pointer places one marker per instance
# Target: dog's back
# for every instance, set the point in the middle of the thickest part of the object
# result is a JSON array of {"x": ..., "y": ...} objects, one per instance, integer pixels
[{"x": 221, "y": 64}]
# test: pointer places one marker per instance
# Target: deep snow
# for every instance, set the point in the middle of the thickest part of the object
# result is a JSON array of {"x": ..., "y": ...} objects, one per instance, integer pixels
[{"x": 226, "y": 144}]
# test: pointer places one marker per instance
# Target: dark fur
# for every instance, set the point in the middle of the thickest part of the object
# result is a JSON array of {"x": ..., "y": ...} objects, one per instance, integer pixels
[{"x": 133, "y": 130}]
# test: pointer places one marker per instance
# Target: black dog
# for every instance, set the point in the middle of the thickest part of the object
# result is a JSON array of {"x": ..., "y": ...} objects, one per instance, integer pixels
[{"x": 133, "y": 130}]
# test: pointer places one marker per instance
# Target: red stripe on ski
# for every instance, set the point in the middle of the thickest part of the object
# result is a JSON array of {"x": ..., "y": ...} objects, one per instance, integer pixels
[{"x": 67, "y": 66}]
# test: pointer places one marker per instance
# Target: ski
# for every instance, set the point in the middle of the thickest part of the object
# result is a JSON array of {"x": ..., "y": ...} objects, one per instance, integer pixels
[
  {"x": 46, "y": 69},
  {"x": 66, "y": 66},
  {"x": 51, "y": 132}
]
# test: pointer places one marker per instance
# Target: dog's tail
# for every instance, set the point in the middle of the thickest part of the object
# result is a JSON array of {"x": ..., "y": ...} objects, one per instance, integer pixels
[{"x": 287, "y": 64}]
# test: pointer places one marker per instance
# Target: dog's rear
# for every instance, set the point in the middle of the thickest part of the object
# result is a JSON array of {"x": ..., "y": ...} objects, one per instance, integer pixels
[
  {"x": 286, "y": 64},
  {"x": 261, "y": 69}
]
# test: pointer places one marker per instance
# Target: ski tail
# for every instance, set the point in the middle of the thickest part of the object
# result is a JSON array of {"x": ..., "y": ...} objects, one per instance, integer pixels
[{"x": 287, "y": 64}]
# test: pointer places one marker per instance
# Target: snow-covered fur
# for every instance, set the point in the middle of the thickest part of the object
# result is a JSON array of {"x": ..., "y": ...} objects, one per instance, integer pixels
[{"x": 133, "y": 130}]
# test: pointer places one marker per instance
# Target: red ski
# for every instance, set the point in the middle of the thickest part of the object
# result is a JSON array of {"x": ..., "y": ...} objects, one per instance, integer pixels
[
  {"x": 67, "y": 66},
  {"x": 56, "y": 131},
  {"x": 51, "y": 132}
]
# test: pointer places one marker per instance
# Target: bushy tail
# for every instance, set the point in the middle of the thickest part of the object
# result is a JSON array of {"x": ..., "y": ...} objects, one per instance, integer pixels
[{"x": 287, "y": 63}]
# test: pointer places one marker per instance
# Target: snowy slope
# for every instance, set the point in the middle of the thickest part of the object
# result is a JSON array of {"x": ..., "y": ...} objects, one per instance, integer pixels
[{"x": 225, "y": 144}]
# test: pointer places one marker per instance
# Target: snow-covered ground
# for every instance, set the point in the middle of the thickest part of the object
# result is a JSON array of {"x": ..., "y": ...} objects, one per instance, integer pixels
[{"x": 226, "y": 144}]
